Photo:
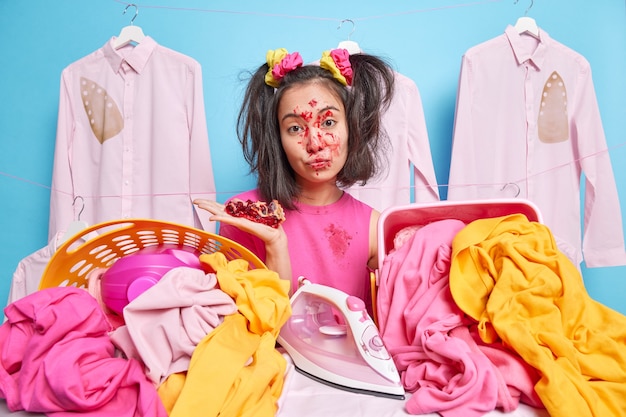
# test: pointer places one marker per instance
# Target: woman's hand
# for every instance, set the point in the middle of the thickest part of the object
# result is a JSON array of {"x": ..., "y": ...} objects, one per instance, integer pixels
[
  {"x": 267, "y": 234},
  {"x": 276, "y": 249}
]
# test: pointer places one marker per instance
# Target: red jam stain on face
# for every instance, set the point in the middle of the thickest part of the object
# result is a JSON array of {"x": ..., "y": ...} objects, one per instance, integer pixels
[
  {"x": 334, "y": 141},
  {"x": 328, "y": 139},
  {"x": 338, "y": 240},
  {"x": 307, "y": 116},
  {"x": 315, "y": 138}
]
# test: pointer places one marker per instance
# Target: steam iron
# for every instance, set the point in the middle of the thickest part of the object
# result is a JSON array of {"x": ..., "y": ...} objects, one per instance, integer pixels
[{"x": 332, "y": 339}]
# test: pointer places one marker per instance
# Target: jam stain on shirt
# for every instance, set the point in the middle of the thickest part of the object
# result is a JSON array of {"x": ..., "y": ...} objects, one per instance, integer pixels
[{"x": 338, "y": 240}]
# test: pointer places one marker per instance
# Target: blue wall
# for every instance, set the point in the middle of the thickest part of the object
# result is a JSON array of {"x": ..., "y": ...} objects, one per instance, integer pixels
[{"x": 423, "y": 39}]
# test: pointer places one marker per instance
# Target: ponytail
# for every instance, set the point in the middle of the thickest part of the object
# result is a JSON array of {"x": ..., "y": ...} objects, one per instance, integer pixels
[{"x": 371, "y": 94}]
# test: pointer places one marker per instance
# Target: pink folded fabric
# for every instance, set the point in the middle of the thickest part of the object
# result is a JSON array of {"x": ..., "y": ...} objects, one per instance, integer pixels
[
  {"x": 56, "y": 358},
  {"x": 416, "y": 313},
  {"x": 165, "y": 323}
]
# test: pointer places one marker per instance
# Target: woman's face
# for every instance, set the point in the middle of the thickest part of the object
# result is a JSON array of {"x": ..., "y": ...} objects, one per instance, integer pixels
[{"x": 313, "y": 132}]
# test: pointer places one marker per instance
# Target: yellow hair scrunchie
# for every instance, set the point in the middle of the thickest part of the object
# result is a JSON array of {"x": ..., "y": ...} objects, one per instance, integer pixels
[
  {"x": 280, "y": 62},
  {"x": 337, "y": 62}
]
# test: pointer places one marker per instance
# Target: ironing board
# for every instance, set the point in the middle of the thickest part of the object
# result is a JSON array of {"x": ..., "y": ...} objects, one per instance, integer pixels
[
  {"x": 332, "y": 402},
  {"x": 299, "y": 391},
  {"x": 304, "y": 397}
]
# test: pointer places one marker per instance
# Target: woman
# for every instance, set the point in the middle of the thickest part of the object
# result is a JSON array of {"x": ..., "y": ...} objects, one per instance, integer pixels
[{"x": 308, "y": 131}]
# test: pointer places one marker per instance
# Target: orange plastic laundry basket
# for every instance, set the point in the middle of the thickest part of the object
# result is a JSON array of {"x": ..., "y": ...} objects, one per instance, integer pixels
[{"x": 99, "y": 246}]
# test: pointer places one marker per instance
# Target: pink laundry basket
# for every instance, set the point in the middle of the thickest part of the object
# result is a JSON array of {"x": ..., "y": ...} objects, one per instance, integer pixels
[{"x": 394, "y": 219}]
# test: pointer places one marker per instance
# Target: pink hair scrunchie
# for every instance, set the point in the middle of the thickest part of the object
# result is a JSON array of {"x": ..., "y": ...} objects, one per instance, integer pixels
[
  {"x": 280, "y": 62},
  {"x": 337, "y": 62}
]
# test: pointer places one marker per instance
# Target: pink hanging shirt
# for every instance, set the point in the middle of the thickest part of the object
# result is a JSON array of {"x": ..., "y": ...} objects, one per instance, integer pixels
[
  {"x": 131, "y": 138},
  {"x": 528, "y": 125}
]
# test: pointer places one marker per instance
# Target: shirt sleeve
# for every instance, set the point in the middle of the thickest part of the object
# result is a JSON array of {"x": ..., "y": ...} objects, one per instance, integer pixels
[
  {"x": 424, "y": 178},
  {"x": 462, "y": 167},
  {"x": 201, "y": 178},
  {"x": 62, "y": 189},
  {"x": 603, "y": 236}
]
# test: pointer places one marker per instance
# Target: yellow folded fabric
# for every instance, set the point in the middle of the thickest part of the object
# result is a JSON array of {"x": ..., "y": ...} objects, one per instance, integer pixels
[
  {"x": 261, "y": 296},
  {"x": 170, "y": 390},
  {"x": 236, "y": 370},
  {"x": 509, "y": 275}
]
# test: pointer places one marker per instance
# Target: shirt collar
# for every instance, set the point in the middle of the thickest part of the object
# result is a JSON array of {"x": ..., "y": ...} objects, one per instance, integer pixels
[
  {"x": 136, "y": 58},
  {"x": 526, "y": 51}
]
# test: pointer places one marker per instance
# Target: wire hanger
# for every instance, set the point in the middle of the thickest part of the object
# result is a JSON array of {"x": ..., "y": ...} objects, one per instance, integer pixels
[
  {"x": 526, "y": 24},
  {"x": 517, "y": 189},
  {"x": 77, "y": 225},
  {"x": 350, "y": 45},
  {"x": 131, "y": 33}
]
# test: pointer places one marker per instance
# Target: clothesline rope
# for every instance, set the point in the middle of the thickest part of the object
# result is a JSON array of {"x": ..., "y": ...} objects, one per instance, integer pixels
[
  {"x": 232, "y": 192},
  {"x": 286, "y": 16}
]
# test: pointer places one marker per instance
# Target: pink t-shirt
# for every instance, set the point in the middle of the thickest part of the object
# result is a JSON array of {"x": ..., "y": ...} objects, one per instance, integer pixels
[{"x": 328, "y": 245}]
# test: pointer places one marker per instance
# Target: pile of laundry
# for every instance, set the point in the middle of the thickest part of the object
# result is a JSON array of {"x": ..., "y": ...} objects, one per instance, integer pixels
[
  {"x": 486, "y": 315},
  {"x": 194, "y": 344}
]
